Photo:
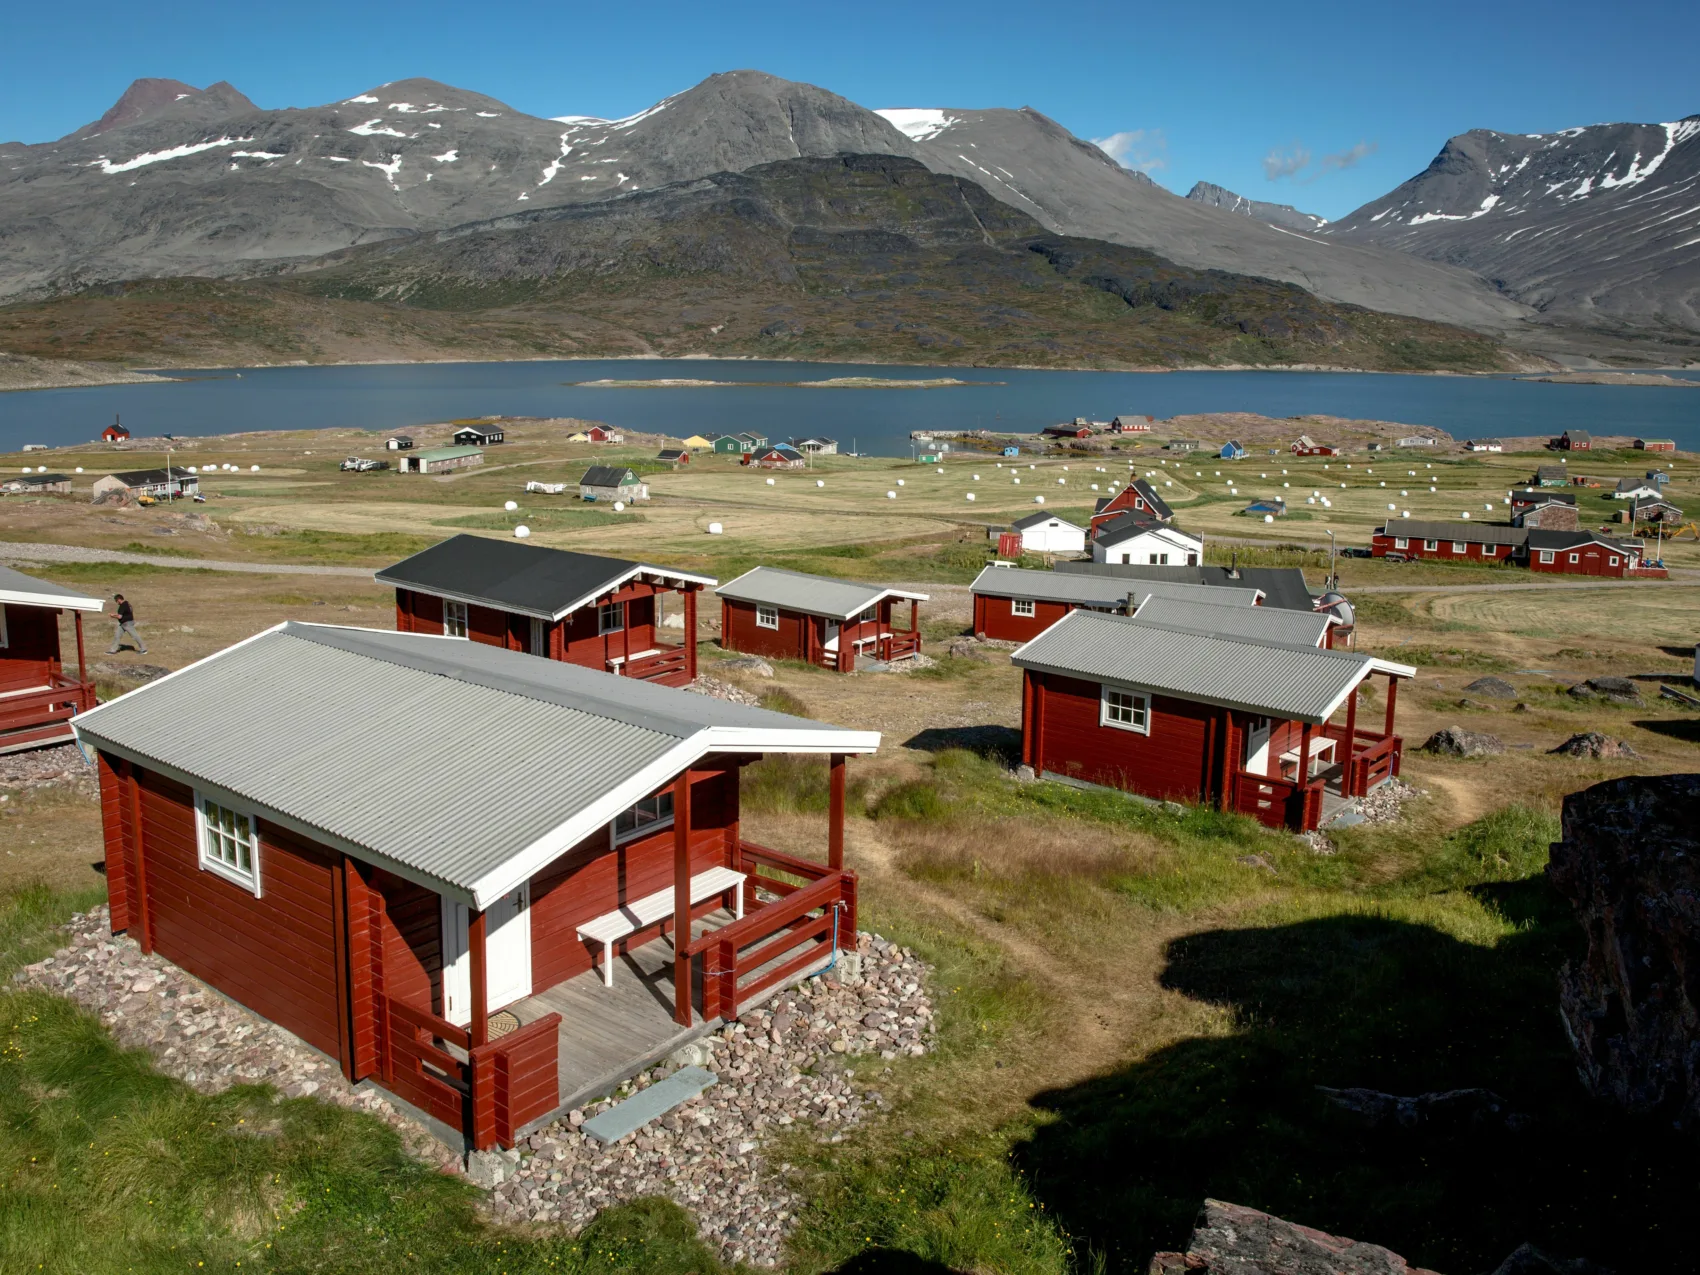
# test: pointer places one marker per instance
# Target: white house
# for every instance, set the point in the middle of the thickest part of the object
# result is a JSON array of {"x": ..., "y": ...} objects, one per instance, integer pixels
[
  {"x": 1047, "y": 533},
  {"x": 1415, "y": 440},
  {"x": 1636, "y": 489},
  {"x": 1148, "y": 544}
]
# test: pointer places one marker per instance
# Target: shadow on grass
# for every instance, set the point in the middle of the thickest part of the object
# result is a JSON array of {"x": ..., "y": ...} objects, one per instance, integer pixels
[
  {"x": 892, "y": 1261},
  {"x": 1686, "y": 729},
  {"x": 1001, "y": 744},
  {"x": 1384, "y": 1004}
]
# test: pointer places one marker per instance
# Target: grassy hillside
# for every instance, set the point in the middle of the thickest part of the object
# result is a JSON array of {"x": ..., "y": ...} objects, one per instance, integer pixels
[{"x": 858, "y": 258}]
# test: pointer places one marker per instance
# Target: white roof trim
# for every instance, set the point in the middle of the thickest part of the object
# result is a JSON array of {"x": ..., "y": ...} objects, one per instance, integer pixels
[{"x": 60, "y": 601}]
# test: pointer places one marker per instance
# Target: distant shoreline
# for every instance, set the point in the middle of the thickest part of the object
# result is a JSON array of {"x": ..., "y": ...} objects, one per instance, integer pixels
[{"x": 831, "y": 383}]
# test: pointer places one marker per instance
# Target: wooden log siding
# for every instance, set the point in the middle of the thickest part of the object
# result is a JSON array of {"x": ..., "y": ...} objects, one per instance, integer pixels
[
  {"x": 790, "y": 641},
  {"x": 515, "y": 1080},
  {"x": 1064, "y": 735},
  {"x": 995, "y": 617},
  {"x": 276, "y": 953},
  {"x": 115, "y": 835},
  {"x": 31, "y": 654}
]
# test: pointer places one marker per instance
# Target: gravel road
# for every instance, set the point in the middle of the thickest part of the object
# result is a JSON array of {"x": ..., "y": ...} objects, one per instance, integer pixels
[{"x": 25, "y": 551}]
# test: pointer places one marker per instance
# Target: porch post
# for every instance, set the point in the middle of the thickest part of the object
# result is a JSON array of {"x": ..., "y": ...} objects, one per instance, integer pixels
[
  {"x": 1304, "y": 754},
  {"x": 691, "y": 632},
  {"x": 1392, "y": 698},
  {"x": 682, "y": 899},
  {"x": 479, "y": 1027},
  {"x": 835, "y": 815},
  {"x": 626, "y": 639},
  {"x": 82, "y": 661},
  {"x": 1349, "y": 787},
  {"x": 914, "y": 615}
]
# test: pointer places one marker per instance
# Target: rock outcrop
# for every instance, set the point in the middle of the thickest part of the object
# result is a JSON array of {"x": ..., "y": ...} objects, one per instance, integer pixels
[
  {"x": 1630, "y": 866},
  {"x": 1493, "y": 688},
  {"x": 1455, "y": 741},
  {"x": 1453, "y": 1110},
  {"x": 1230, "y": 1239},
  {"x": 1593, "y": 744},
  {"x": 1616, "y": 690}
]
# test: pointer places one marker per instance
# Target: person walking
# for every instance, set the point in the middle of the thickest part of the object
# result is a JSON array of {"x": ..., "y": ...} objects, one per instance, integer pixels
[{"x": 124, "y": 621}]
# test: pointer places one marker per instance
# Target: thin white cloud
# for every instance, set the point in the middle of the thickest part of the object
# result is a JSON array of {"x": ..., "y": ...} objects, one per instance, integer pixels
[
  {"x": 1296, "y": 162},
  {"x": 1145, "y": 150}
]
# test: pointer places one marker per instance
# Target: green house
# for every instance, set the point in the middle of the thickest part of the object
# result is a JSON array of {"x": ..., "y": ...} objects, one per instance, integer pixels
[{"x": 730, "y": 444}]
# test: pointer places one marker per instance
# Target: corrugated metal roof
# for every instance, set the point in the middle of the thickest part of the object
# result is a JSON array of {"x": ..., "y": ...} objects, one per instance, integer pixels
[
  {"x": 25, "y": 590},
  {"x": 1481, "y": 533},
  {"x": 814, "y": 595},
  {"x": 447, "y": 453},
  {"x": 1218, "y": 615},
  {"x": 465, "y": 764},
  {"x": 1295, "y": 682},
  {"x": 1096, "y": 590},
  {"x": 1281, "y": 586}
]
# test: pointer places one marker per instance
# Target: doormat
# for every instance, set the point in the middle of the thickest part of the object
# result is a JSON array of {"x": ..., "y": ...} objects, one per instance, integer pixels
[{"x": 501, "y": 1023}]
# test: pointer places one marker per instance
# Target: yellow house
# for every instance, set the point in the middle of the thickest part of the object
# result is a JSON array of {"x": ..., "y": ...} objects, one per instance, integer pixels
[{"x": 697, "y": 443}]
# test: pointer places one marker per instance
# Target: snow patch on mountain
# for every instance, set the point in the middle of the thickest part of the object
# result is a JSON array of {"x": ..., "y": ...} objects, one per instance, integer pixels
[
  {"x": 919, "y": 124},
  {"x": 156, "y": 157}
]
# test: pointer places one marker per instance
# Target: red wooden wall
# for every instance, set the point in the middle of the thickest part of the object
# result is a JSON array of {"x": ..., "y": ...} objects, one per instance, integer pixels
[
  {"x": 410, "y": 935},
  {"x": 1177, "y": 761},
  {"x": 589, "y": 880},
  {"x": 115, "y": 831},
  {"x": 574, "y": 640},
  {"x": 275, "y": 954},
  {"x": 995, "y": 617},
  {"x": 31, "y": 654},
  {"x": 738, "y": 632},
  {"x": 1592, "y": 560},
  {"x": 1381, "y": 546}
]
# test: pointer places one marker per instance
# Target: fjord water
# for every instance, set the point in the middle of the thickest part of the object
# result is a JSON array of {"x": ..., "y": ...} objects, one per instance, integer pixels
[{"x": 876, "y": 421}]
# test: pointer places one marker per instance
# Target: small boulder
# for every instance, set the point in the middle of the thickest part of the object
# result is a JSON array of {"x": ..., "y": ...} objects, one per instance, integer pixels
[
  {"x": 1593, "y": 744},
  {"x": 1452, "y": 1110},
  {"x": 1616, "y": 690},
  {"x": 963, "y": 648},
  {"x": 751, "y": 664},
  {"x": 1492, "y": 687},
  {"x": 1230, "y": 1239},
  {"x": 1455, "y": 741}
]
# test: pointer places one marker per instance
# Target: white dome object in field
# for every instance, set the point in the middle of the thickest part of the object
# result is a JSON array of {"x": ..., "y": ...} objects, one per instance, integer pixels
[
  {"x": 1431, "y": 466},
  {"x": 1404, "y": 493},
  {"x": 970, "y": 495},
  {"x": 976, "y": 478},
  {"x": 1168, "y": 483},
  {"x": 79, "y": 469},
  {"x": 1018, "y": 482},
  {"x": 1392, "y": 506},
  {"x": 1286, "y": 484},
  {"x": 253, "y": 469},
  {"x": 1032, "y": 467},
  {"x": 820, "y": 482},
  {"x": 1325, "y": 466},
  {"x": 900, "y": 482},
  {"x": 191, "y": 469},
  {"x": 939, "y": 470},
  {"x": 770, "y": 482},
  {"x": 1316, "y": 493},
  {"x": 619, "y": 506},
  {"x": 1065, "y": 469},
  {"x": 1465, "y": 514},
  {"x": 1283, "y": 471},
  {"x": 1268, "y": 517},
  {"x": 522, "y": 531},
  {"x": 41, "y": 469},
  {"x": 1310, "y": 500},
  {"x": 891, "y": 495},
  {"x": 1094, "y": 486},
  {"x": 1433, "y": 489},
  {"x": 1348, "y": 466},
  {"x": 1488, "y": 506},
  {"x": 714, "y": 529},
  {"x": 1367, "y": 469},
  {"x": 1342, "y": 486},
  {"x": 1384, "y": 482},
  {"x": 1060, "y": 481},
  {"x": 1406, "y": 514},
  {"x": 1038, "y": 500},
  {"x": 1411, "y": 472},
  {"x": 511, "y": 505}
]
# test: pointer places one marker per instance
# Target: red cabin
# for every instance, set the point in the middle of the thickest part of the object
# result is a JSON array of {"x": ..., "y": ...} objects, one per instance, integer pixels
[
  {"x": 37, "y": 698},
  {"x": 379, "y": 841},
  {"x": 600, "y": 613},
  {"x": 1184, "y": 714},
  {"x": 1138, "y": 497},
  {"x": 1413, "y": 538},
  {"x": 115, "y": 433},
  {"x": 1583, "y": 553},
  {"x": 787, "y": 615},
  {"x": 1012, "y": 605}
]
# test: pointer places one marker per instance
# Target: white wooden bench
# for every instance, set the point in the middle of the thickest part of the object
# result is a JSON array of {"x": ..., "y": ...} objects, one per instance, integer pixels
[{"x": 609, "y": 928}]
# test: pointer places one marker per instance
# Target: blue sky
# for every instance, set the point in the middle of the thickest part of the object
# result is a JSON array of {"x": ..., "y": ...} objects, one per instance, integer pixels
[{"x": 1325, "y": 106}]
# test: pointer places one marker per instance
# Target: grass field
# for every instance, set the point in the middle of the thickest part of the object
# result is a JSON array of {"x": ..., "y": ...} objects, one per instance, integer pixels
[{"x": 1137, "y": 1007}]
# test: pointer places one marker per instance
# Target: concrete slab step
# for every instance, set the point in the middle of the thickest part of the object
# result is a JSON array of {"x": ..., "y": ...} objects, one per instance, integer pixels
[{"x": 649, "y": 1104}]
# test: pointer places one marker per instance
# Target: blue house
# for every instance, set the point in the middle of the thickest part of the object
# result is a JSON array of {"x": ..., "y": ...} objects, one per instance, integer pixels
[
  {"x": 1012, "y": 451},
  {"x": 1232, "y": 451}
]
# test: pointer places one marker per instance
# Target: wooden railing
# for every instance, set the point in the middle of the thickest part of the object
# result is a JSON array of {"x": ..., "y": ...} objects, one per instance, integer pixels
[
  {"x": 490, "y": 1092},
  {"x": 1279, "y": 803},
  {"x": 902, "y": 644},
  {"x": 671, "y": 667},
  {"x": 46, "y": 709},
  {"x": 814, "y": 908},
  {"x": 1369, "y": 758}
]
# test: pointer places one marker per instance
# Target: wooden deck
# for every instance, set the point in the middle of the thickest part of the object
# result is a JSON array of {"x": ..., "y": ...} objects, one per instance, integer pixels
[{"x": 609, "y": 1034}]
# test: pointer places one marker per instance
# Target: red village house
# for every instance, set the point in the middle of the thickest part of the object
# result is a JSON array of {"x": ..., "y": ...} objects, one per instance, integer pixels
[
  {"x": 600, "y": 613},
  {"x": 1536, "y": 546},
  {"x": 1138, "y": 497},
  {"x": 1180, "y": 713},
  {"x": 1012, "y": 605},
  {"x": 380, "y": 840},
  {"x": 37, "y": 698},
  {"x": 788, "y": 615}
]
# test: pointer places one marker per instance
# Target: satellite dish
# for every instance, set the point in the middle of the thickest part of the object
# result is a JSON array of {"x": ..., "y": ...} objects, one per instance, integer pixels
[{"x": 522, "y": 531}]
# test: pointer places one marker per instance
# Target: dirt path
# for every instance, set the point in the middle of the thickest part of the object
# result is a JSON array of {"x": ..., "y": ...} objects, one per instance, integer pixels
[
  {"x": 1462, "y": 799},
  {"x": 24, "y": 551}
]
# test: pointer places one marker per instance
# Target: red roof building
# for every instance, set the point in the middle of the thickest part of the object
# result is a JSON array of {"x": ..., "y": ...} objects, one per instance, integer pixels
[{"x": 1138, "y": 497}]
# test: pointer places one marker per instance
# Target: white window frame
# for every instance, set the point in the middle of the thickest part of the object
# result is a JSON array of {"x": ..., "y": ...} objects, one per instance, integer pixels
[
  {"x": 868, "y": 616},
  {"x": 1431, "y": 546},
  {"x": 767, "y": 616},
  {"x": 1490, "y": 551},
  {"x": 1611, "y": 561},
  {"x": 1460, "y": 546},
  {"x": 1546, "y": 555},
  {"x": 610, "y": 618},
  {"x": 455, "y": 619},
  {"x": 1158, "y": 560},
  {"x": 1575, "y": 557},
  {"x": 660, "y": 809},
  {"x": 210, "y": 861},
  {"x": 1138, "y": 708},
  {"x": 1401, "y": 542},
  {"x": 1023, "y": 607}
]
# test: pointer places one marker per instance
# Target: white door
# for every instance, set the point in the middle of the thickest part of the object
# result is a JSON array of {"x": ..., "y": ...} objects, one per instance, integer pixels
[
  {"x": 831, "y": 643},
  {"x": 507, "y": 955},
  {"x": 539, "y": 636},
  {"x": 1257, "y": 749}
]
